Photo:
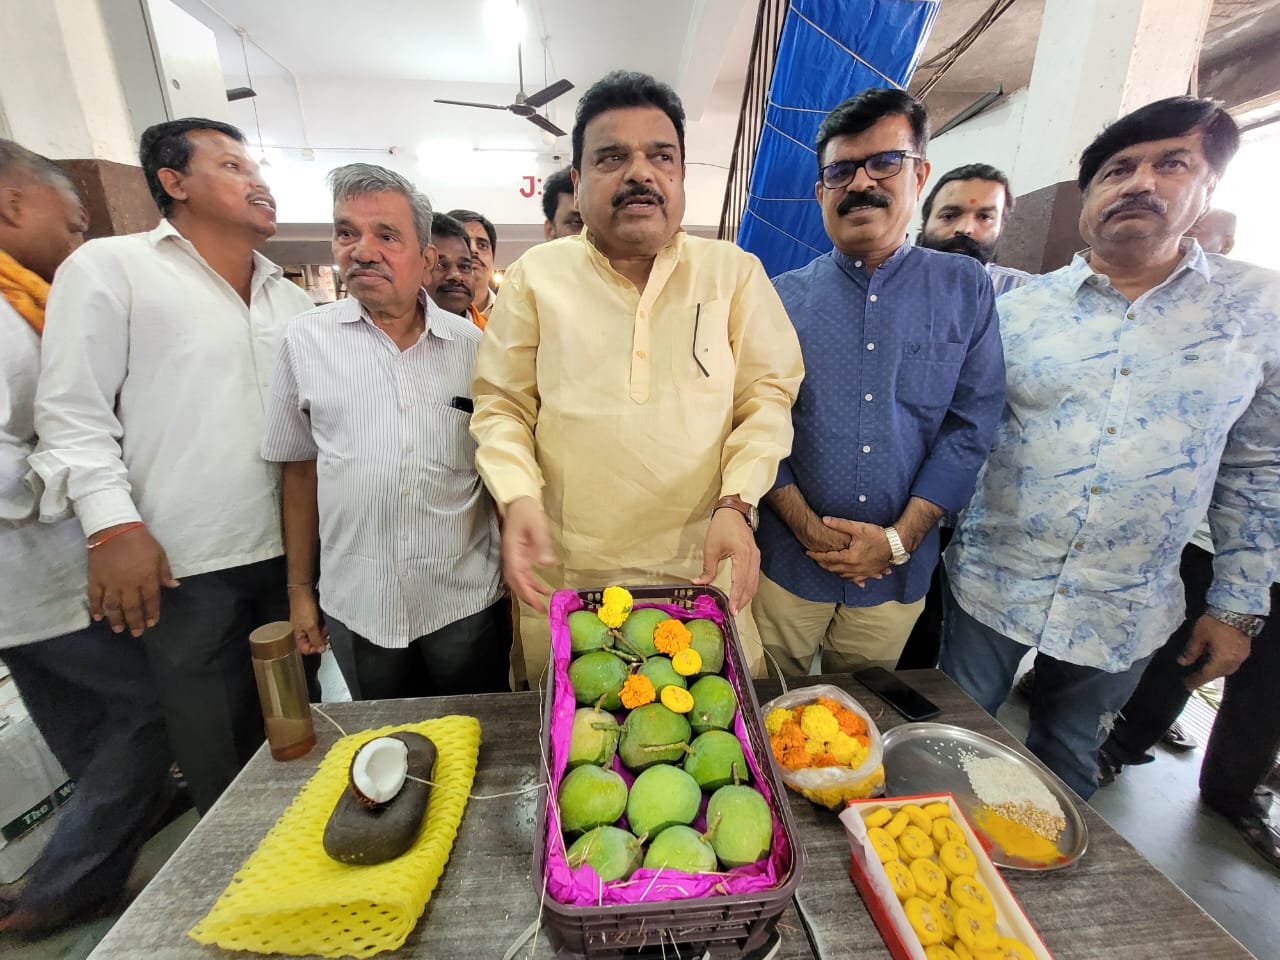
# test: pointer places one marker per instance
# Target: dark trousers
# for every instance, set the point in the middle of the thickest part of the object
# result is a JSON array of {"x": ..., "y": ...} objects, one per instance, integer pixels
[
  {"x": 925, "y": 642},
  {"x": 471, "y": 655},
  {"x": 199, "y": 656},
  {"x": 1246, "y": 733},
  {"x": 91, "y": 696}
]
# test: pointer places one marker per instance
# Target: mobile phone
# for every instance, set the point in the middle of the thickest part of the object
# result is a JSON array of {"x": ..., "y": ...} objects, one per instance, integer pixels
[{"x": 893, "y": 691}]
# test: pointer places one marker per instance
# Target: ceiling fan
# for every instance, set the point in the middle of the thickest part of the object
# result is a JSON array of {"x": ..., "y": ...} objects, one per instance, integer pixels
[{"x": 526, "y": 106}]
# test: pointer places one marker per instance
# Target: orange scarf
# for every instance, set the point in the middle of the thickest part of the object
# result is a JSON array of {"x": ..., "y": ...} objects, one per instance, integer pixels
[{"x": 26, "y": 292}]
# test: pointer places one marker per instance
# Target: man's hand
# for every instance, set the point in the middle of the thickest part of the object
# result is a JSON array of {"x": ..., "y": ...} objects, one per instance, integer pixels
[
  {"x": 867, "y": 557},
  {"x": 1227, "y": 648},
  {"x": 729, "y": 537},
  {"x": 125, "y": 577},
  {"x": 526, "y": 540},
  {"x": 820, "y": 538},
  {"x": 304, "y": 613}
]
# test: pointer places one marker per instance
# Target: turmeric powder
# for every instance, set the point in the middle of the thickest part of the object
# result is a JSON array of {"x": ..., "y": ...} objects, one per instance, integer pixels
[{"x": 1015, "y": 839}]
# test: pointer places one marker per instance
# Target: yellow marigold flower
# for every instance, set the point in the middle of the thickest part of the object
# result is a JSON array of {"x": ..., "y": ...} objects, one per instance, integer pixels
[
  {"x": 671, "y": 636},
  {"x": 775, "y": 719},
  {"x": 618, "y": 597},
  {"x": 847, "y": 750},
  {"x": 819, "y": 723},
  {"x": 637, "y": 691},
  {"x": 612, "y": 616}
]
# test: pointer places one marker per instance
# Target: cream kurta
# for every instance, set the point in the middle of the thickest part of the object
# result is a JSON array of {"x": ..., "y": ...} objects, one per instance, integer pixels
[{"x": 588, "y": 398}]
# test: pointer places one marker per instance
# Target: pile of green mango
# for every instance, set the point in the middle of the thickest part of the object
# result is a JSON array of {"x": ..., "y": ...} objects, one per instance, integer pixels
[{"x": 678, "y": 759}]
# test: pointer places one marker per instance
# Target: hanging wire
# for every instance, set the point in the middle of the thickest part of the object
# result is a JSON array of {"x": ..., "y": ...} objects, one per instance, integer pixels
[{"x": 257, "y": 123}]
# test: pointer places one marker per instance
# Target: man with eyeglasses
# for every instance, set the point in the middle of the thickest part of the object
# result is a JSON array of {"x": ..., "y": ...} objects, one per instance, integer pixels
[{"x": 904, "y": 383}]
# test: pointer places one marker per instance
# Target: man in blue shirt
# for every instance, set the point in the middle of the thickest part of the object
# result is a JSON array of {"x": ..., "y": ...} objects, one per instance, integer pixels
[
  {"x": 1143, "y": 394},
  {"x": 904, "y": 383}
]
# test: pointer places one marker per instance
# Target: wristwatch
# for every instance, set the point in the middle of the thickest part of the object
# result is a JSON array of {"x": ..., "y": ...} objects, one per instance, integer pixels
[
  {"x": 1247, "y": 623},
  {"x": 749, "y": 513},
  {"x": 900, "y": 555}
]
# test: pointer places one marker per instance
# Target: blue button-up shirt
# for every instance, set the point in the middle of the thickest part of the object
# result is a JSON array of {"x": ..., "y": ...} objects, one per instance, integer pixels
[
  {"x": 1125, "y": 424},
  {"x": 903, "y": 386}
]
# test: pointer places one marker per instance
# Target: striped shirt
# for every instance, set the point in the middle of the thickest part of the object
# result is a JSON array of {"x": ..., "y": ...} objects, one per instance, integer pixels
[{"x": 408, "y": 535}]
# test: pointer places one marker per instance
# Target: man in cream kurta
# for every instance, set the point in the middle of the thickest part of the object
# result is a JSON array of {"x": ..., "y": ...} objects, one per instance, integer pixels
[{"x": 632, "y": 381}]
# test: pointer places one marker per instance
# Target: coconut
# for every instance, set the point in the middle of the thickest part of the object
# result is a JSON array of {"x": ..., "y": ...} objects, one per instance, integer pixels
[{"x": 378, "y": 770}]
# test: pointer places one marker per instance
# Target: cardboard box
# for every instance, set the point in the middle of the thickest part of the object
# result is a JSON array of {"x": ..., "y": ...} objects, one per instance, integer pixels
[
  {"x": 33, "y": 786},
  {"x": 868, "y": 875}
]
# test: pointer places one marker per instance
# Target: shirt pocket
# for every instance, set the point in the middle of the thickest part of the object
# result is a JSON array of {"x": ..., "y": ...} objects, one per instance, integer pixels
[
  {"x": 928, "y": 375},
  {"x": 701, "y": 358},
  {"x": 450, "y": 444},
  {"x": 1205, "y": 391}
]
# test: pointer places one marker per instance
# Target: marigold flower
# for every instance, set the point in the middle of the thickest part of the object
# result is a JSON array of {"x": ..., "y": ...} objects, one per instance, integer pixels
[
  {"x": 612, "y": 616},
  {"x": 671, "y": 636},
  {"x": 637, "y": 691},
  {"x": 618, "y": 597},
  {"x": 774, "y": 721},
  {"x": 819, "y": 723}
]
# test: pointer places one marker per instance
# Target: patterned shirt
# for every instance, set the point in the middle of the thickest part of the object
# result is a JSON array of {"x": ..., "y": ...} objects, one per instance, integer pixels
[
  {"x": 903, "y": 389},
  {"x": 408, "y": 536},
  {"x": 1004, "y": 279},
  {"x": 1125, "y": 424}
]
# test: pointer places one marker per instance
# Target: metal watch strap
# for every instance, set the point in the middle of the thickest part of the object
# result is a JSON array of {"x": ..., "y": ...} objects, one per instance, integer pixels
[
  {"x": 1249, "y": 624},
  {"x": 899, "y": 552}
]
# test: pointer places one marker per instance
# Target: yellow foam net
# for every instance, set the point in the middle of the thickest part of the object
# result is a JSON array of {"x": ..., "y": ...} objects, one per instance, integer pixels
[{"x": 291, "y": 898}]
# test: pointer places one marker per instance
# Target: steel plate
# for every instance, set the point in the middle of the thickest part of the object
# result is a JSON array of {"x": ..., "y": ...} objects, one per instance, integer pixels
[{"x": 925, "y": 758}]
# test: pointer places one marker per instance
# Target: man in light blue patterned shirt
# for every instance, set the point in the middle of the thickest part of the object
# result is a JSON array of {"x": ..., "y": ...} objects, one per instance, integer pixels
[{"x": 1143, "y": 393}]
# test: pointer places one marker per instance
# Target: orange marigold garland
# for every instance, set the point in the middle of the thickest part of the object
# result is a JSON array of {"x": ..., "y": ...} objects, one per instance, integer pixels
[{"x": 821, "y": 734}]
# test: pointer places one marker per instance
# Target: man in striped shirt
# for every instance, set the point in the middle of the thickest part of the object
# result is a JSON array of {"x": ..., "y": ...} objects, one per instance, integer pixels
[{"x": 370, "y": 412}]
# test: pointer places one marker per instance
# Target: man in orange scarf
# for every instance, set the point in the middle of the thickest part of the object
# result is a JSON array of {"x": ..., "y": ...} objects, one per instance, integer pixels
[{"x": 89, "y": 692}]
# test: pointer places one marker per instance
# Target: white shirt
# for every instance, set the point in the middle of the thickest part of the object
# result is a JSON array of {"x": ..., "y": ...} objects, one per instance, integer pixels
[
  {"x": 153, "y": 382},
  {"x": 1125, "y": 423},
  {"x": 42, "y": 566},
  {"x": 408, "y": 534}
]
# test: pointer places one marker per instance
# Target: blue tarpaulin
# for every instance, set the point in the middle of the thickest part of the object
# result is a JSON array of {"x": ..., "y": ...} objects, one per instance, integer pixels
[{"x": 830, "y": 50}]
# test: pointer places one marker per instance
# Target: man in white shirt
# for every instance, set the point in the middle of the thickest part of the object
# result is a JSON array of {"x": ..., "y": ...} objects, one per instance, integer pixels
[
  {"x": 154, "y": 374},
  {"x": 370, "y": 413},
  {"x": 88, "y": 692}
]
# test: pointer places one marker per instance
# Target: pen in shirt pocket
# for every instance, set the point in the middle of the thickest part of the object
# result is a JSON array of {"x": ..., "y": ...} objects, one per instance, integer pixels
[{"x": 463, "y": 403}]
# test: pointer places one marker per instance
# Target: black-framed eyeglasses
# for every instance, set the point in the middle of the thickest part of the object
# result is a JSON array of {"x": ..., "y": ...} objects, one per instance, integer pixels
[{"x": 879, "y": 166}]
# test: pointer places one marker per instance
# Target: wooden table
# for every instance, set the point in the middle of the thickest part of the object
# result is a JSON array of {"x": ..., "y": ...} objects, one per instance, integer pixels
[{"x": 1113, "y": 903}]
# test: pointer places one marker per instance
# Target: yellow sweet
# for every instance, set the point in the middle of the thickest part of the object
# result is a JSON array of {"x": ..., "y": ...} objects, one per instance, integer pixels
[
  {"x": 962, "y": 952},
  {"x": 975, "y": 932},
  {"x": 946, "y": 908},
  {"x": 972, "y": 895},
  {"x": 917, "y": 816},
  {"x": 883, "y": 844},
  {"x": 937, "y": 951},
  {"x": 676, "y": 699},
  {"x": 899, "y": 823},
  {"x": 937, "y": 809},
  {"x": 1008, "y": 948},
  {"x": 930, "y": 880},
  {"x": 924, "y": 920},
  {"x": 878, "y": 817},
  {"x": 957, "y": 859},
  {"x": 946, "y": 830},
  {"x": 904, "y": 885},
  {"x": 915, "y": 843}
]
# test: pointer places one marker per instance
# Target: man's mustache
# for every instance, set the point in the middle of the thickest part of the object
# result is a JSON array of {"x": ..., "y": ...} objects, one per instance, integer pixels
[
  {"x": 454, "y": 287},
  {"x": 1139, "y": 201},
  {"x": 862, "y": 198},
  {"x": 961, "y": 243},
  {"x": 637, "y": 191},
  {"x": 369, "y": 268}
]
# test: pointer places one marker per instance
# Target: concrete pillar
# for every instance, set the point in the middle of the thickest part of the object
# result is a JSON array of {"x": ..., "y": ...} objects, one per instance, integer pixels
[
  {"x": 81, "y": 79},
  {"x": 1095, "y": 61}
]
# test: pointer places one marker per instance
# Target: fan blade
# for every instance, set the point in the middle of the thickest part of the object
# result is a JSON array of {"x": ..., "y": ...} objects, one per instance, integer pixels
[
  {"x": 539, "y": 120},
  {"x": 546, "y": 95},
  {"x": 469, "y": 103}
]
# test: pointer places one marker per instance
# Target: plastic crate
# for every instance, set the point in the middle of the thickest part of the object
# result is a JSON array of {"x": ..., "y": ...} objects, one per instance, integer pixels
[{"x": 720, "y": 926}]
